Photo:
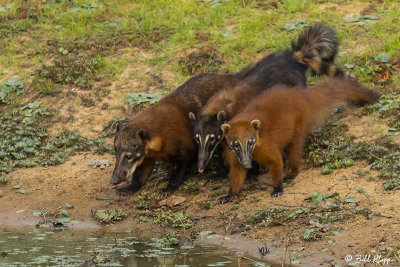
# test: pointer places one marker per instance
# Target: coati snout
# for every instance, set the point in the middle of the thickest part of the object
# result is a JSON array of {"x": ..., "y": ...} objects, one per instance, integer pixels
[
  {"x": 207, "y": 134},
  {"x": 129, "y": 147},
  {"x": 242, "y": 142}
]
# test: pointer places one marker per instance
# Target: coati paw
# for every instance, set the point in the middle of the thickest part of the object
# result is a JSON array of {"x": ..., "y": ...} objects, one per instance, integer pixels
[
  {"x": 225, "y": 199},
  {"x": 168, "y": 190},
  {"x": 126, "y": 191},
  {"x": 276, "y": 193}
]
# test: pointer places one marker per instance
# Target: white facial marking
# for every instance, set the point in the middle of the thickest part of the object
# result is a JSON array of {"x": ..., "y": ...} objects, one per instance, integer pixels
[
  {"x": 133, "y": 168},
  {"x": 207, "y": 136},
  {"x": 137, "y": 154}
]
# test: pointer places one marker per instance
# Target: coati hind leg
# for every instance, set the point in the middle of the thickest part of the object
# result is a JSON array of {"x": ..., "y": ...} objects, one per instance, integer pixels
[
  {"x": 295, "y": 150},
  {"x": 272, "y": 158},
  {"x": 237, "y": 175},
  {"x": 139, "y": 178}
]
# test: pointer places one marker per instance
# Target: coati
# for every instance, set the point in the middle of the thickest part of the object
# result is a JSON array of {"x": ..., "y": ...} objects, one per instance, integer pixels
[
  {"x": 282, "y": 118},
  {"x": 314, "y": 45},
  {"x": 164, "y": 132}
]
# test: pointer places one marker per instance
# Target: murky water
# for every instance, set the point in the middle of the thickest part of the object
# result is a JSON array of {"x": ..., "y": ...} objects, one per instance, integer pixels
[{"x": 81, "y": 248}]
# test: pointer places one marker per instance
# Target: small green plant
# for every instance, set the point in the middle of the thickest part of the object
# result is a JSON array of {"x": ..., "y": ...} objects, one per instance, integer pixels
[
  {"x": 170, "y": 240},
  {"x": 12, "y": 87},
  {"x": 267, "y": 215},
  {"x": 87, "y": 101},
  {"x": 109, "y": 216},
  {"x": 4, "y": 180},
  {"x": 206, "y": 204},
  {"x": 190, "y": 188},
  {"x": 146, "y": 200},
  {"x": 316, "y": 198},
  {"x": 360, "y": 190},
  {"x": 140, "y": 98}
]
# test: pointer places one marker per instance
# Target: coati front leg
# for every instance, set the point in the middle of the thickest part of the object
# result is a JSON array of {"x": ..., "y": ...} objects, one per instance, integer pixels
[
  {"x": 177, "y": 175},
  {"x": 272, "y": 158},
  {"x": 139, "y": 177},
  {"x": 237, "y": 175}
]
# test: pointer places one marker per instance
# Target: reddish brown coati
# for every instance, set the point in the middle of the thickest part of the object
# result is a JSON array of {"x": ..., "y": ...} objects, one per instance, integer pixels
[
  {"x": 282, "y": 118},
  {"x": 314, "y": 46},
  {"x": 164, "y": 132}
]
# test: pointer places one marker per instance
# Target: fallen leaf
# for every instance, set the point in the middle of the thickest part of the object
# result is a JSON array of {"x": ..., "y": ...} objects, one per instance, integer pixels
[{"x": 172, "y": 201}]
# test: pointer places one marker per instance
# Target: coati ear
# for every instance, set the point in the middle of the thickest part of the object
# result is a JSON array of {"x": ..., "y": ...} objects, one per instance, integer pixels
[
  {"x": 225, "y": 128},
  {"x": 142, "y": 133},
  {"x": 221, "y": 115},
  {"x": 192, "y": 116},
  {"x": 256, "y": 124},
  {"x": 115, "y": 127}
]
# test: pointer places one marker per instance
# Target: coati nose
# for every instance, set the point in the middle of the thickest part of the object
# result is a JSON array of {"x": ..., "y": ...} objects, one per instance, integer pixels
[
  {"x": 201, "y": 170},
  {"x": 246, "y": 164}
]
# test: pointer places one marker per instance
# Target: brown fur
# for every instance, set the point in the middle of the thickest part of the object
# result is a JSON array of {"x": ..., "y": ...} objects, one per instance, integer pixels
[
  {"x": 164, "y": 131},
  {"x": 287, "y": 116}
]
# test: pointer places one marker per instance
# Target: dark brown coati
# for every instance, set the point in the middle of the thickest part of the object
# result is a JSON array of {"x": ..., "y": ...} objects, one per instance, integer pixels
[
  {"x": 282, "y": 118},
  {"x": 164, "y": 132},
  {"x": 314, "y": 45}
]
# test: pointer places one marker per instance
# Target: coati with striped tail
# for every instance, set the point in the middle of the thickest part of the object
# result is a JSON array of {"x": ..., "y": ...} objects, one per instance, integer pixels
[
  {"x": 282, "y": 118},
  {"x": 164, "y": 132},
  {"x": 314, "y": 46}
]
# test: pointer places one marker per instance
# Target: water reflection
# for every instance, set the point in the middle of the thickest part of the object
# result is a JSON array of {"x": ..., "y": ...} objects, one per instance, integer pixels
[{"x": 80, "y": 248}]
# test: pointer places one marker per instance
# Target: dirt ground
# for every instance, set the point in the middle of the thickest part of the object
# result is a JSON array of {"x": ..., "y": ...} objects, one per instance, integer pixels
[{"x": 87, "y": 188}]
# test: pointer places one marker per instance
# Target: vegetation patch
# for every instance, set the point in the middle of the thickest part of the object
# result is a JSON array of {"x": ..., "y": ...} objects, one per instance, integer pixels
[
  {"x": 80, "y": 70},
  {"x": 170, "y": 240},
  {"x": 25, "y": 143},
  {"x": 109, "y": 216},
  {"x": 165, "y": 217},
  {"x": 57, "y": 217},
  {"x": 319, "y": 215},
  {"x": 205, "y": 59}
]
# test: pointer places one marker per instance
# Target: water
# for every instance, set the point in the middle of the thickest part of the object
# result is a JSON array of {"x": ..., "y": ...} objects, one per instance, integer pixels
[{"x": 83, "y": 248}]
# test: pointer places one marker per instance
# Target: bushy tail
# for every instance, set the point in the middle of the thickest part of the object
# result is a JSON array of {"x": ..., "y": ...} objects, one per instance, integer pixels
[
  {"x": 319, "y": 39},
  {"x": 330, "y": 93},
  {"x": 317, "y": 47}
]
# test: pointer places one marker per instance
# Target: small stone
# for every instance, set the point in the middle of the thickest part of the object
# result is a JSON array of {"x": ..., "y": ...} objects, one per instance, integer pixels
[{"x": 102, "y": 166}]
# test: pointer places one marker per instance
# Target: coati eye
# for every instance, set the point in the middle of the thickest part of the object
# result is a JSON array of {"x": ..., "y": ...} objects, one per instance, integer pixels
[
  {"x": 212, "y": 138},
  {"x": 251, "y": 142},
  {"x": 128, "y": 156},
  {"x": 236, "y": 145},
  {"x": 197, "y": 137}
]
